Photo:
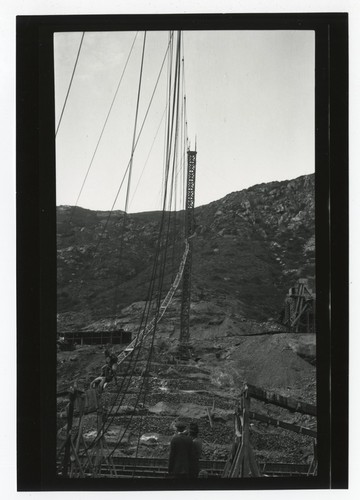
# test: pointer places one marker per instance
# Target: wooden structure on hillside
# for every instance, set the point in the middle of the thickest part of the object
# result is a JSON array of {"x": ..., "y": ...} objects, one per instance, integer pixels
[
  {"x": 299, "y": 308},
  {"x": 91, "y": 337},
  {"x": 242, "y": 462}
]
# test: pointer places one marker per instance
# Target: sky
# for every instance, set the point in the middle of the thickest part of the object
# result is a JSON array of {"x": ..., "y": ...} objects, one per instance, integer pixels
[{"x": 250, "y": 106}]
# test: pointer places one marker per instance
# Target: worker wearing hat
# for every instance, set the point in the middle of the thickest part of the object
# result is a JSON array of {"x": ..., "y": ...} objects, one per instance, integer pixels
[{"x": 181, "y": 457}]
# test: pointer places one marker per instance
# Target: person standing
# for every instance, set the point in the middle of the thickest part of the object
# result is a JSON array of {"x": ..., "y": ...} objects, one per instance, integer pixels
[
  {"x": 111, "y": 361},
  {"x": 197, "y": 448},
  {"x": 181, "y": 457}
]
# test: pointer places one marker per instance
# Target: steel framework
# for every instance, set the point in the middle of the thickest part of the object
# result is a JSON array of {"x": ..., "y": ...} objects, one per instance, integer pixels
[{"x": 189, "y": 232}]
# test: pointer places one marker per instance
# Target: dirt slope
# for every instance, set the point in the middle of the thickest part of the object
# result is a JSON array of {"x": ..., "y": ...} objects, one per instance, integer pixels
[{"x": 205, "y": 390}]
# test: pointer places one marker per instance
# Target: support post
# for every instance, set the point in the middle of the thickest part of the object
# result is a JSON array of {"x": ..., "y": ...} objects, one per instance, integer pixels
[
  {"x": 66, "y": 460},
  {"x": 243, "y": 462},
  {"x": 99, "y": 448}
]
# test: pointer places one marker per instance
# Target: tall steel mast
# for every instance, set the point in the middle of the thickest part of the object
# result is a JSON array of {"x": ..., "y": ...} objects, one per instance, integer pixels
[{"x": 185, "y": 345}]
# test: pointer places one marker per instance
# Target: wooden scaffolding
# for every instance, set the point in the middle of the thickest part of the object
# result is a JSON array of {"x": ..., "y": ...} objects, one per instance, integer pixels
[
  {"x": 241, "y": 462},
  {"x": 76, "y": 457},
  {"x": 299, "y": 308}
]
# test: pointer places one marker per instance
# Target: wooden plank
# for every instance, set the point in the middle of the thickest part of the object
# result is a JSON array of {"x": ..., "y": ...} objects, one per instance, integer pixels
[
  {"x": 66, "y": 459},
  {"x": 236, "y": 466},
  {"x": 282, "y": 401},
  {"x": 246, "y": 437},
  {"x": 76, "y": 458},
  {"x": 293, "y": 323},
  {"x": 255, "y": 471},
  {"x": 284, "y": 425},
  {"x": 227, "y": 468}
]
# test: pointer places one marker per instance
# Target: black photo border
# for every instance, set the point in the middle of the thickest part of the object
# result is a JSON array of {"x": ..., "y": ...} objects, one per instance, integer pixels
[{"x": 36, "y": 242}]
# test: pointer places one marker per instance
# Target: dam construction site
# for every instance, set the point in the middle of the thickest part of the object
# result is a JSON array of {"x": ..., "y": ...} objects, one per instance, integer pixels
[{"x": 199, "y": 314}]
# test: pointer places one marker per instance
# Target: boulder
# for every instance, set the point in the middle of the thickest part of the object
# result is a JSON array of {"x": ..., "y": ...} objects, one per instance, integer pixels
[{"x": 150, "y": 439}]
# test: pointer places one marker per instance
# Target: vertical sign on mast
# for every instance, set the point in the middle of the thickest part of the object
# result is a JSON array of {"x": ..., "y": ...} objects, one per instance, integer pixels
[{"x": 184, "y": 347}]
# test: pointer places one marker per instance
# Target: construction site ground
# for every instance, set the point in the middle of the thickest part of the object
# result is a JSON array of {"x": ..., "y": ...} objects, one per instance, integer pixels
[{"x": 142, "y": 410}]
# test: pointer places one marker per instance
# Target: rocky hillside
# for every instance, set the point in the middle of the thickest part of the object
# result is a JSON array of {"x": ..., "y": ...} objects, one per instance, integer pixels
[{"x": 249, "y": 248}]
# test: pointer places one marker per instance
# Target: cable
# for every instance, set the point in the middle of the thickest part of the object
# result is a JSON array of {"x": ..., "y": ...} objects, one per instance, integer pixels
[
  {"x": 134, "y": 135},
  {"x": 148, "y": 156},
  {"x": 136, "y": 118},
  {"x": 161, "y": 277},
  {"x": 71, "y": 79},
  {"x": 129, "y": 177},
  {"x": 148, "y": 306},
  {"x": 159, "y": 266},
  {"x": 151, "y": 288},
  {"x": 128, "y": 166},
  {"x": 138, "y": 137},
  {"x": 104, "y": 125}
]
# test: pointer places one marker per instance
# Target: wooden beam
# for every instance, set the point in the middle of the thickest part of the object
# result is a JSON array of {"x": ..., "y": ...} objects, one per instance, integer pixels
[
  {"x": 66, "y": 460},
  {"x": 237, "y": 465},
  {"x": 254, "y": 468},
  {"x": 210, "y": 419},
  {"x": 284, "y": 425},
  {"x": 244, "y": 462},
  {"x": 300, "y": 314},
  {"x": 246, "y": 438},
  {"x": 282, "y": 401}
]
